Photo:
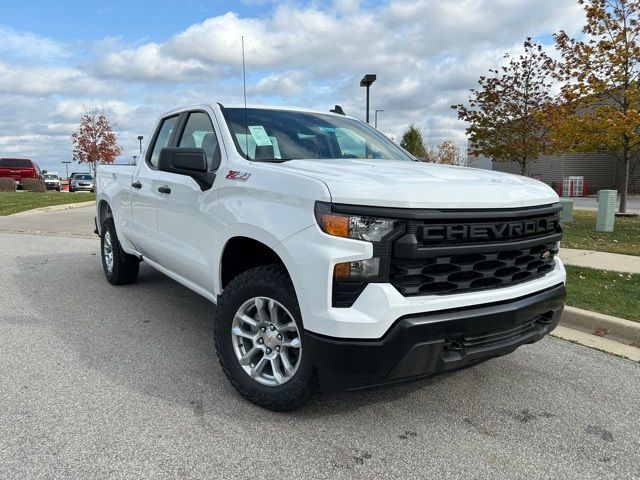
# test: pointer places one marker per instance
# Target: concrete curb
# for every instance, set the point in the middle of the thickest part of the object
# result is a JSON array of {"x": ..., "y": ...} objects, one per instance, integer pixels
[
  {"x": 606, "y": 326},
  {"x": 598, "y": 343},
  {"x": 54, "y": 208}
]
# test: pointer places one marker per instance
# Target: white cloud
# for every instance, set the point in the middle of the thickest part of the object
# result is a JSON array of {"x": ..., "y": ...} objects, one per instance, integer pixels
[
  {"x": 29, "y": 45},
  {"x": 37, "y": 80},
  {"x": 147, "y": 62},
  {"x": 426, "y": 53}
]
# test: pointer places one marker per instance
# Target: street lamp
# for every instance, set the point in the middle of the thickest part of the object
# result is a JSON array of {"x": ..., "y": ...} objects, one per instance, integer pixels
[
  {"x": 375, "y": 116},
  {"x": 366, "y": 81},
  {"x": 134, "y": 159},
  {"x": 66, "y": 167},
  {"x": 140, "y": 137}
]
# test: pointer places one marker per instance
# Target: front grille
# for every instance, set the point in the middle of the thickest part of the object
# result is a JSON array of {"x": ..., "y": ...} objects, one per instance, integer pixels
[
  {"x": 485, "y": 250},
  {"x": 455, "y": 273}
]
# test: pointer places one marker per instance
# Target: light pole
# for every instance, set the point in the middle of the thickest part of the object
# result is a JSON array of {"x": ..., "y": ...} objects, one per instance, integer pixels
[
  {"x": 66, "y": 167},
  {"x": 366, "y": 81},
  {"x": 140, "y": 137},
  {"x": 375, "y": 117}
]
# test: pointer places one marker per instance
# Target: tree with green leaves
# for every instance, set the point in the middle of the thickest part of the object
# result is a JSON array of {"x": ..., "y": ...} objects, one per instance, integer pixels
[
  {"x": 503, "y": 112},
  {"x": 599, "y": 108},
  {"x": 413, "y": 142}
]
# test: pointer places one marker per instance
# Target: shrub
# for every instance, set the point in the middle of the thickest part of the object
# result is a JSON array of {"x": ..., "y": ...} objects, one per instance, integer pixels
[
  {"x": 33, "y": 185},
  {"x": 7, "y": 184}
]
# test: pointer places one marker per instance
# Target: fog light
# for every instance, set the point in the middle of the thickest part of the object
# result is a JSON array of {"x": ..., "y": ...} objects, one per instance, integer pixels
[{"x": 358, "y": 270}]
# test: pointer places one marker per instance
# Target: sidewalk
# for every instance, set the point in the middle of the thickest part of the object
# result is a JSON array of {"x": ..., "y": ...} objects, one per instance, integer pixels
[{"x": 600, "y": 260}]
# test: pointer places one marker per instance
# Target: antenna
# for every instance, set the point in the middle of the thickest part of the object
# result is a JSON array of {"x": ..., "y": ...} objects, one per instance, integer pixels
[{"x": 244, "y": 91}]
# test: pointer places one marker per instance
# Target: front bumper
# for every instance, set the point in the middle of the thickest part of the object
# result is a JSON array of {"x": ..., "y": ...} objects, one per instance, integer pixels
[{"x": 423, "y": 344}]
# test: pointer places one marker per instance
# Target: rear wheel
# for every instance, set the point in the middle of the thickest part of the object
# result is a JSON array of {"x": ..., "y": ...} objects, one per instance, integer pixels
[
  {"x": 119, "y": 267},
  {"x": 259, "y": 340}
]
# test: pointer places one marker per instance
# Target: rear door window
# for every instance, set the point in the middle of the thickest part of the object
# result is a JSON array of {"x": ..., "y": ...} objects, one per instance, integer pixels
[{"x": 15, "y": 163}]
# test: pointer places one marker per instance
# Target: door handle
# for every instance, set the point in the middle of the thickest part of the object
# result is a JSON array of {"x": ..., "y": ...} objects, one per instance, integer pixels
[
  {"x": 164, "y": 189},
  {"x": 136, "y": 184}
]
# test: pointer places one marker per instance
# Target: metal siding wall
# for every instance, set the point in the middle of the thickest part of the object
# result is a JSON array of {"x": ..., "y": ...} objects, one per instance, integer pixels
[
  {"x": 598, "y": 169},
  {"x": 547, "y": 168},
  {"x": 508, "y": 167},
  {"x": 634, "y": 183}
]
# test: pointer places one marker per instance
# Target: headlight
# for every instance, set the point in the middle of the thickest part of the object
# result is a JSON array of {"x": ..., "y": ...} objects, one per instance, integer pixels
[{"x": 371, "y": 229}]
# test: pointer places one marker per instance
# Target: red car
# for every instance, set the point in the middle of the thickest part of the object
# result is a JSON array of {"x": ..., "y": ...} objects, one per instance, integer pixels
[{"x": 19, "y": 168}]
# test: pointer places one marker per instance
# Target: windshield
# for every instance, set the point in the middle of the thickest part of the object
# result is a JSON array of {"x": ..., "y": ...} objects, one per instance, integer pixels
[
  {"x": 280, "y": 135},
  {"x": 83, "y": 177},
  {"x": 51, "y": 177}
]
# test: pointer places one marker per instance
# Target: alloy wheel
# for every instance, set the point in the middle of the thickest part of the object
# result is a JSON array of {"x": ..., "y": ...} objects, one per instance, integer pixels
[{"x": 266, "y": 341}]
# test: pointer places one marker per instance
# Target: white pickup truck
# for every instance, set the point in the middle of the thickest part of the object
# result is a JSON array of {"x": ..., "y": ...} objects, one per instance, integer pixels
[{"x": 335, "y": 259}]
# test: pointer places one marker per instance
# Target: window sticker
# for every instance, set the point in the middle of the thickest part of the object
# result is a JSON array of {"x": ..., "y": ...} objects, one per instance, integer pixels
[{"x": 260, "y": 135}]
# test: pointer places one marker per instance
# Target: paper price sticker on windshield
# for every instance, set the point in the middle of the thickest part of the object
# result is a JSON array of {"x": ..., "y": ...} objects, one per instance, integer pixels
[{"x": 260, "y": 135}]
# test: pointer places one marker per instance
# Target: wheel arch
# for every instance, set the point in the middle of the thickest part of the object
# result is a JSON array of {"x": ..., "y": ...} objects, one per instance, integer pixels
[
  {"x": 104, "y": 212},
  {"x": 241, "y": 253}
]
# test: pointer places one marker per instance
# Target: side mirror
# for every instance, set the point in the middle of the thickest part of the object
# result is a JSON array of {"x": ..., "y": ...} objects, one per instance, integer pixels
[{"x": 183, "y": 161}]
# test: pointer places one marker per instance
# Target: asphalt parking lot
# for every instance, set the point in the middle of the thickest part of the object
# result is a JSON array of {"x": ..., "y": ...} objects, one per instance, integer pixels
[{"x": 99, "y": 381}]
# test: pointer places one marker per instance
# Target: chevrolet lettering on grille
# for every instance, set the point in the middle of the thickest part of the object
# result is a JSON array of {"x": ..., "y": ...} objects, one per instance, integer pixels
[{"x": 495, "y": 231}]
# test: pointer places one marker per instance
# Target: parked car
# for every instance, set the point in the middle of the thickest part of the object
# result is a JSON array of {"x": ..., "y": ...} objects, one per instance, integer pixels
[
  {"x": 74, "y": 174},
  {"x": 19, "y": 169},
  {"x": 334, "y": 258},
  {"x": 81, "y": 182},
  {"x": 52, "y": 181}
]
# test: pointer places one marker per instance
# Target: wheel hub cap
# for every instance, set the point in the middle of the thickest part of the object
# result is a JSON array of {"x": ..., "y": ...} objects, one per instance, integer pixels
[
  {"x": 266, "y": 341},
  {"x": 107, "y": 251}
]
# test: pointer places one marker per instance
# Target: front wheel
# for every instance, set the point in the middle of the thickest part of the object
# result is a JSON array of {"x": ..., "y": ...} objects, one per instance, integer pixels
[
  {"x": 259, "y": 340},
  {"x": 119, "y": 267}
]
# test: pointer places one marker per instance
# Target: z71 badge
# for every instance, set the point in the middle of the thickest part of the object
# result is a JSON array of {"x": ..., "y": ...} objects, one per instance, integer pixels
[{"x": 241, "y": 176}]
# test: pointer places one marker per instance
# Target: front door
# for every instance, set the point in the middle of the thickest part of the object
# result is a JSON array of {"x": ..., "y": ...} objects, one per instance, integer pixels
[
  {"x": 186, "y": 209},
  {"x": 145, "y": 195}
]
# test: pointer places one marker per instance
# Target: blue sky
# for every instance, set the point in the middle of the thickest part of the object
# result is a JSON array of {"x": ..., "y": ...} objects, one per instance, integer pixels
[
  {"x": 137, "y": 59},
  {"x": 130, "y": 20}
]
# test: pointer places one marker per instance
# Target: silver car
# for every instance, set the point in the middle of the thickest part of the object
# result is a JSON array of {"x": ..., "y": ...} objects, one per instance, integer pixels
[{"x": 81, "y": 182}]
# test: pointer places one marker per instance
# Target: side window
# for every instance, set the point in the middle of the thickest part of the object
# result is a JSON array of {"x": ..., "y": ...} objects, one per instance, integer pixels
[
  {"x": 198, "y": 133},
  {"x": 162, "y": 140}
]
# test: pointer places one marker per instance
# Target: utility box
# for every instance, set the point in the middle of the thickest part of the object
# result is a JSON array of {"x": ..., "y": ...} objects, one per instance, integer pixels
[
  {"x": 566, "y": 214},
  {"x": 606, "y": 210}
]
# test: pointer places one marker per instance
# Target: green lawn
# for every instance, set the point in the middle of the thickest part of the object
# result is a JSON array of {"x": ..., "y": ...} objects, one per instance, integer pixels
[
  {"x": 612, "y": 293},
  {"x": 14, "y": 202},
  {"x": 581, "y": 234}
]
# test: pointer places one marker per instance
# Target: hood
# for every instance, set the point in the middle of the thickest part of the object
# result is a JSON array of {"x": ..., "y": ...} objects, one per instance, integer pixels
[{"x": 406, "y": 184}]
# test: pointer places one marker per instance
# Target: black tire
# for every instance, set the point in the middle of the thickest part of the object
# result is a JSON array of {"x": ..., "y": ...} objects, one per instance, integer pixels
[
  {"x": 270, "y": 281},
  {"x": 124, "y": 268}
]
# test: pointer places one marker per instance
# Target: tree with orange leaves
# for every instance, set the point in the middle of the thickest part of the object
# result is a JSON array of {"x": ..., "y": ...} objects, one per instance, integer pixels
[
  {"x": 95, "y": 141},
  {"x": 600, "y": 99}
]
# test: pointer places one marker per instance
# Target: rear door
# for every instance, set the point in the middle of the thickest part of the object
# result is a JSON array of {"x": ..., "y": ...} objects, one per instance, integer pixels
[
  {"x": 144, "y": 191},
  {"x": 186, "y": 214}
]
